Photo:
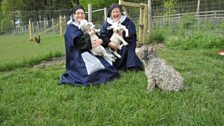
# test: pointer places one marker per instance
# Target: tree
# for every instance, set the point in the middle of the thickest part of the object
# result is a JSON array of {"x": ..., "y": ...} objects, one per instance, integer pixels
[
  {"x": 5, "y": 21},
  {"x": 75, "y": 2},
  {"x": 8, "y": 18},
  {"x": 97, "y": 3},
  {"x": 1, "y": 16},
  {"x": 169, "y": 6}
]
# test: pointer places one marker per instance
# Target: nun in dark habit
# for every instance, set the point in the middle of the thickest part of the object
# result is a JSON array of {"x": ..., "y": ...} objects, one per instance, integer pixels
[
  {"x": 129, "y": 59},
  {"x": 82, "y": 67}
]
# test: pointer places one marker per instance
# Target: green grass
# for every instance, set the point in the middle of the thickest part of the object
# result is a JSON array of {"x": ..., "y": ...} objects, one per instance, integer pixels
[
  {"x": 17, "y": 50},
  {"x": 32, "y": 96}
]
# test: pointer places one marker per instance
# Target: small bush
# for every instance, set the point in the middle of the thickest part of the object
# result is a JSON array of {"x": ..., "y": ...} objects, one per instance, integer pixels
[
  {"x": 196, "y": 40},
  {"x": 188, "y": 21},
  {"x": 157, "y": 36}
]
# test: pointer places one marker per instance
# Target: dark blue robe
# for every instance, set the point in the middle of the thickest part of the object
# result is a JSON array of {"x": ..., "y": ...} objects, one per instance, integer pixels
[
  {"x": 129, "y": 59},
  {"x": 80, "y": 69}
]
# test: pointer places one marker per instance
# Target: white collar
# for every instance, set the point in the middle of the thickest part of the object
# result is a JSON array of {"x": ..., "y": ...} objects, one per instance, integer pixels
[
  {"x": 71, "y": 21},
  {"x": 110, "y": 20},
  {"x": 75, "y": 23}
]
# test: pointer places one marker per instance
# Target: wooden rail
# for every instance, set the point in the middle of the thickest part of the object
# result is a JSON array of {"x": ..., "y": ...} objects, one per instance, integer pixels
[
  {"x": 143, "y": 19},
  {"x": 60, "y": 24}
]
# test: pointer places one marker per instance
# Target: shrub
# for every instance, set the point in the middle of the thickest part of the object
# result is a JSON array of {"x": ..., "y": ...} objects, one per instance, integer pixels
[
  {"x": 196, "y": 40},
  {"x": 157, "y": 36}
]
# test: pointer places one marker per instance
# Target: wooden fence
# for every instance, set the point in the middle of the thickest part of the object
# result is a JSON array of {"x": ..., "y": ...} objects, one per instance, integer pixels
[
  {"x": 143, "y": 19},
  {"x": 216, "y": 15},
  {"x": 60, "y": 25}
]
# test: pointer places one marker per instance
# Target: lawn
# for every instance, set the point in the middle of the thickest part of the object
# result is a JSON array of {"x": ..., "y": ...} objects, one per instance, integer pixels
[
  {"x": 32, "y": 96},
  {"x": 17, "y": 50}
]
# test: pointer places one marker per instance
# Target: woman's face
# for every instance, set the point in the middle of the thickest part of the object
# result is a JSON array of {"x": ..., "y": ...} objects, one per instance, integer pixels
[
  {"x": 116, "y": 14},
  {"x": 79, "y": 15}
]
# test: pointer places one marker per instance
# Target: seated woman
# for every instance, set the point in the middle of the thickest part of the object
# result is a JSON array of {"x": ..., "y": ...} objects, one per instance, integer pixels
[
  {"x": 129, "y": 59},
  {"x": 82, "y": 67}
]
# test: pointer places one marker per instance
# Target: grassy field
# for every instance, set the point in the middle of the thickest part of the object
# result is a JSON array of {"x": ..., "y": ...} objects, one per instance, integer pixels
[
  {"x": 32, "y": 96},
  {"x": 17, "y": 50}
]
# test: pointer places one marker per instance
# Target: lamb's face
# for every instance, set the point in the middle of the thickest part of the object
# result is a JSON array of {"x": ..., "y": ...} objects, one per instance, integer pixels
[
  {"x": 118, "y": 28},
  {"x": 83, "y": 22},
  {"x": 84, "y": 25}
]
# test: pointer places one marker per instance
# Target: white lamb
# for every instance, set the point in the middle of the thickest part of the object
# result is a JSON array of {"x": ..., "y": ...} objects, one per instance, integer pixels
[
  {"x": 99, "y": 50},
  {"x": 117, "y": 36}
]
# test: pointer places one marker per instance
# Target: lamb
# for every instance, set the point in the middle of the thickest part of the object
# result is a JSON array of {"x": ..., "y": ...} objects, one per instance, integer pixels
[
  {"x": 99, "y": 50},
  {"x": 158, "y": 72},
  {"x": 117, "y": 36}
]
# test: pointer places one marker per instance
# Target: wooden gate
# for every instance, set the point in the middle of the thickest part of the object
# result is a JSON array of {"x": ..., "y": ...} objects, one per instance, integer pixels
[{"x": 143, "y": 19}]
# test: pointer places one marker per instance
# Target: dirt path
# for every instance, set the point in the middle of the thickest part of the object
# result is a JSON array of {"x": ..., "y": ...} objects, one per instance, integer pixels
[{"x": 53, "y": 61}]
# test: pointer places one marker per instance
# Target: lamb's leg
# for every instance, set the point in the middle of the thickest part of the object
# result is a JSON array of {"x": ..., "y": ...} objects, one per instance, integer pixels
[
  {"x": 109, "y": 57},
  {"x": 120, "y": 46},
  {"x": 116, "y": 54},
  {"x": 126, "y": 32},
  {"x": 94, "y": 53},
  {"x": 104, "y": 53}
]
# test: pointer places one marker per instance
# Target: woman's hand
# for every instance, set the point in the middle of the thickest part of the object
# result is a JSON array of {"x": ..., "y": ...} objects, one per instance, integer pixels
[
  {"x": 113, "y": 45},
  {"x": 96, "y": 43}
]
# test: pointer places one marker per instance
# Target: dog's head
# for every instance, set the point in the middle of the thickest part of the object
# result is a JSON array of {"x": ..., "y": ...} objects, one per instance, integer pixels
[{"x": 146, "y": 52}]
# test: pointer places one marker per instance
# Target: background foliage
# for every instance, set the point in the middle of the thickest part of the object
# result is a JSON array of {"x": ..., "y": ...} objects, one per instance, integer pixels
[{"x": 12, "y": 11}]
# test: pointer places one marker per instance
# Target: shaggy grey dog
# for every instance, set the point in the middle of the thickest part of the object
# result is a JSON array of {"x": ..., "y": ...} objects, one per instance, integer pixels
[{"x": 158, "y": 72}]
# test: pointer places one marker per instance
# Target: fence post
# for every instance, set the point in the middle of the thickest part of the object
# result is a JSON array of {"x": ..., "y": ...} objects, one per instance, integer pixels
[
  {"x": 90, "y": 12},
  {"x": 149, "y": 17},
  {"x": 38, "y": 27},
  {"x": 63, "y": 24},
  {"x": 141, "y": 24},
  {"x": 61, "y": 27},
  {"x": 30, "y": 29},
  {"x": 25, "y": 28},
  {"x": 52, "y": 24},
  {"x": 197, "y": 13},
  {"x": 198, "y": 8},
  {"x": 33, "y": 27},
  {"x": 105, "y": 13},
  {"x": 145, "y": 22},
  {"x": 44, "y": 23}
]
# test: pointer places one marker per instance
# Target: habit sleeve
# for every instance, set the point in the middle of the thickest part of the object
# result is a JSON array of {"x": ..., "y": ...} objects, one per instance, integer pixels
[
  {"x": 130, "y": 38},
  {"x": 83, "y": 42},
  {"x": 105, "y": 34}
]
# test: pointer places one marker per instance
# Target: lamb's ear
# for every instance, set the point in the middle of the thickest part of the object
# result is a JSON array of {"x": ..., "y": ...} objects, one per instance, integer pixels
[{"x": 91, "y": 23}]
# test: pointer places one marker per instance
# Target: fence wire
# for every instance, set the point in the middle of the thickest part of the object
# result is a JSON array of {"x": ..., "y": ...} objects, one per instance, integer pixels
[{"x": 210, "y": 11}]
